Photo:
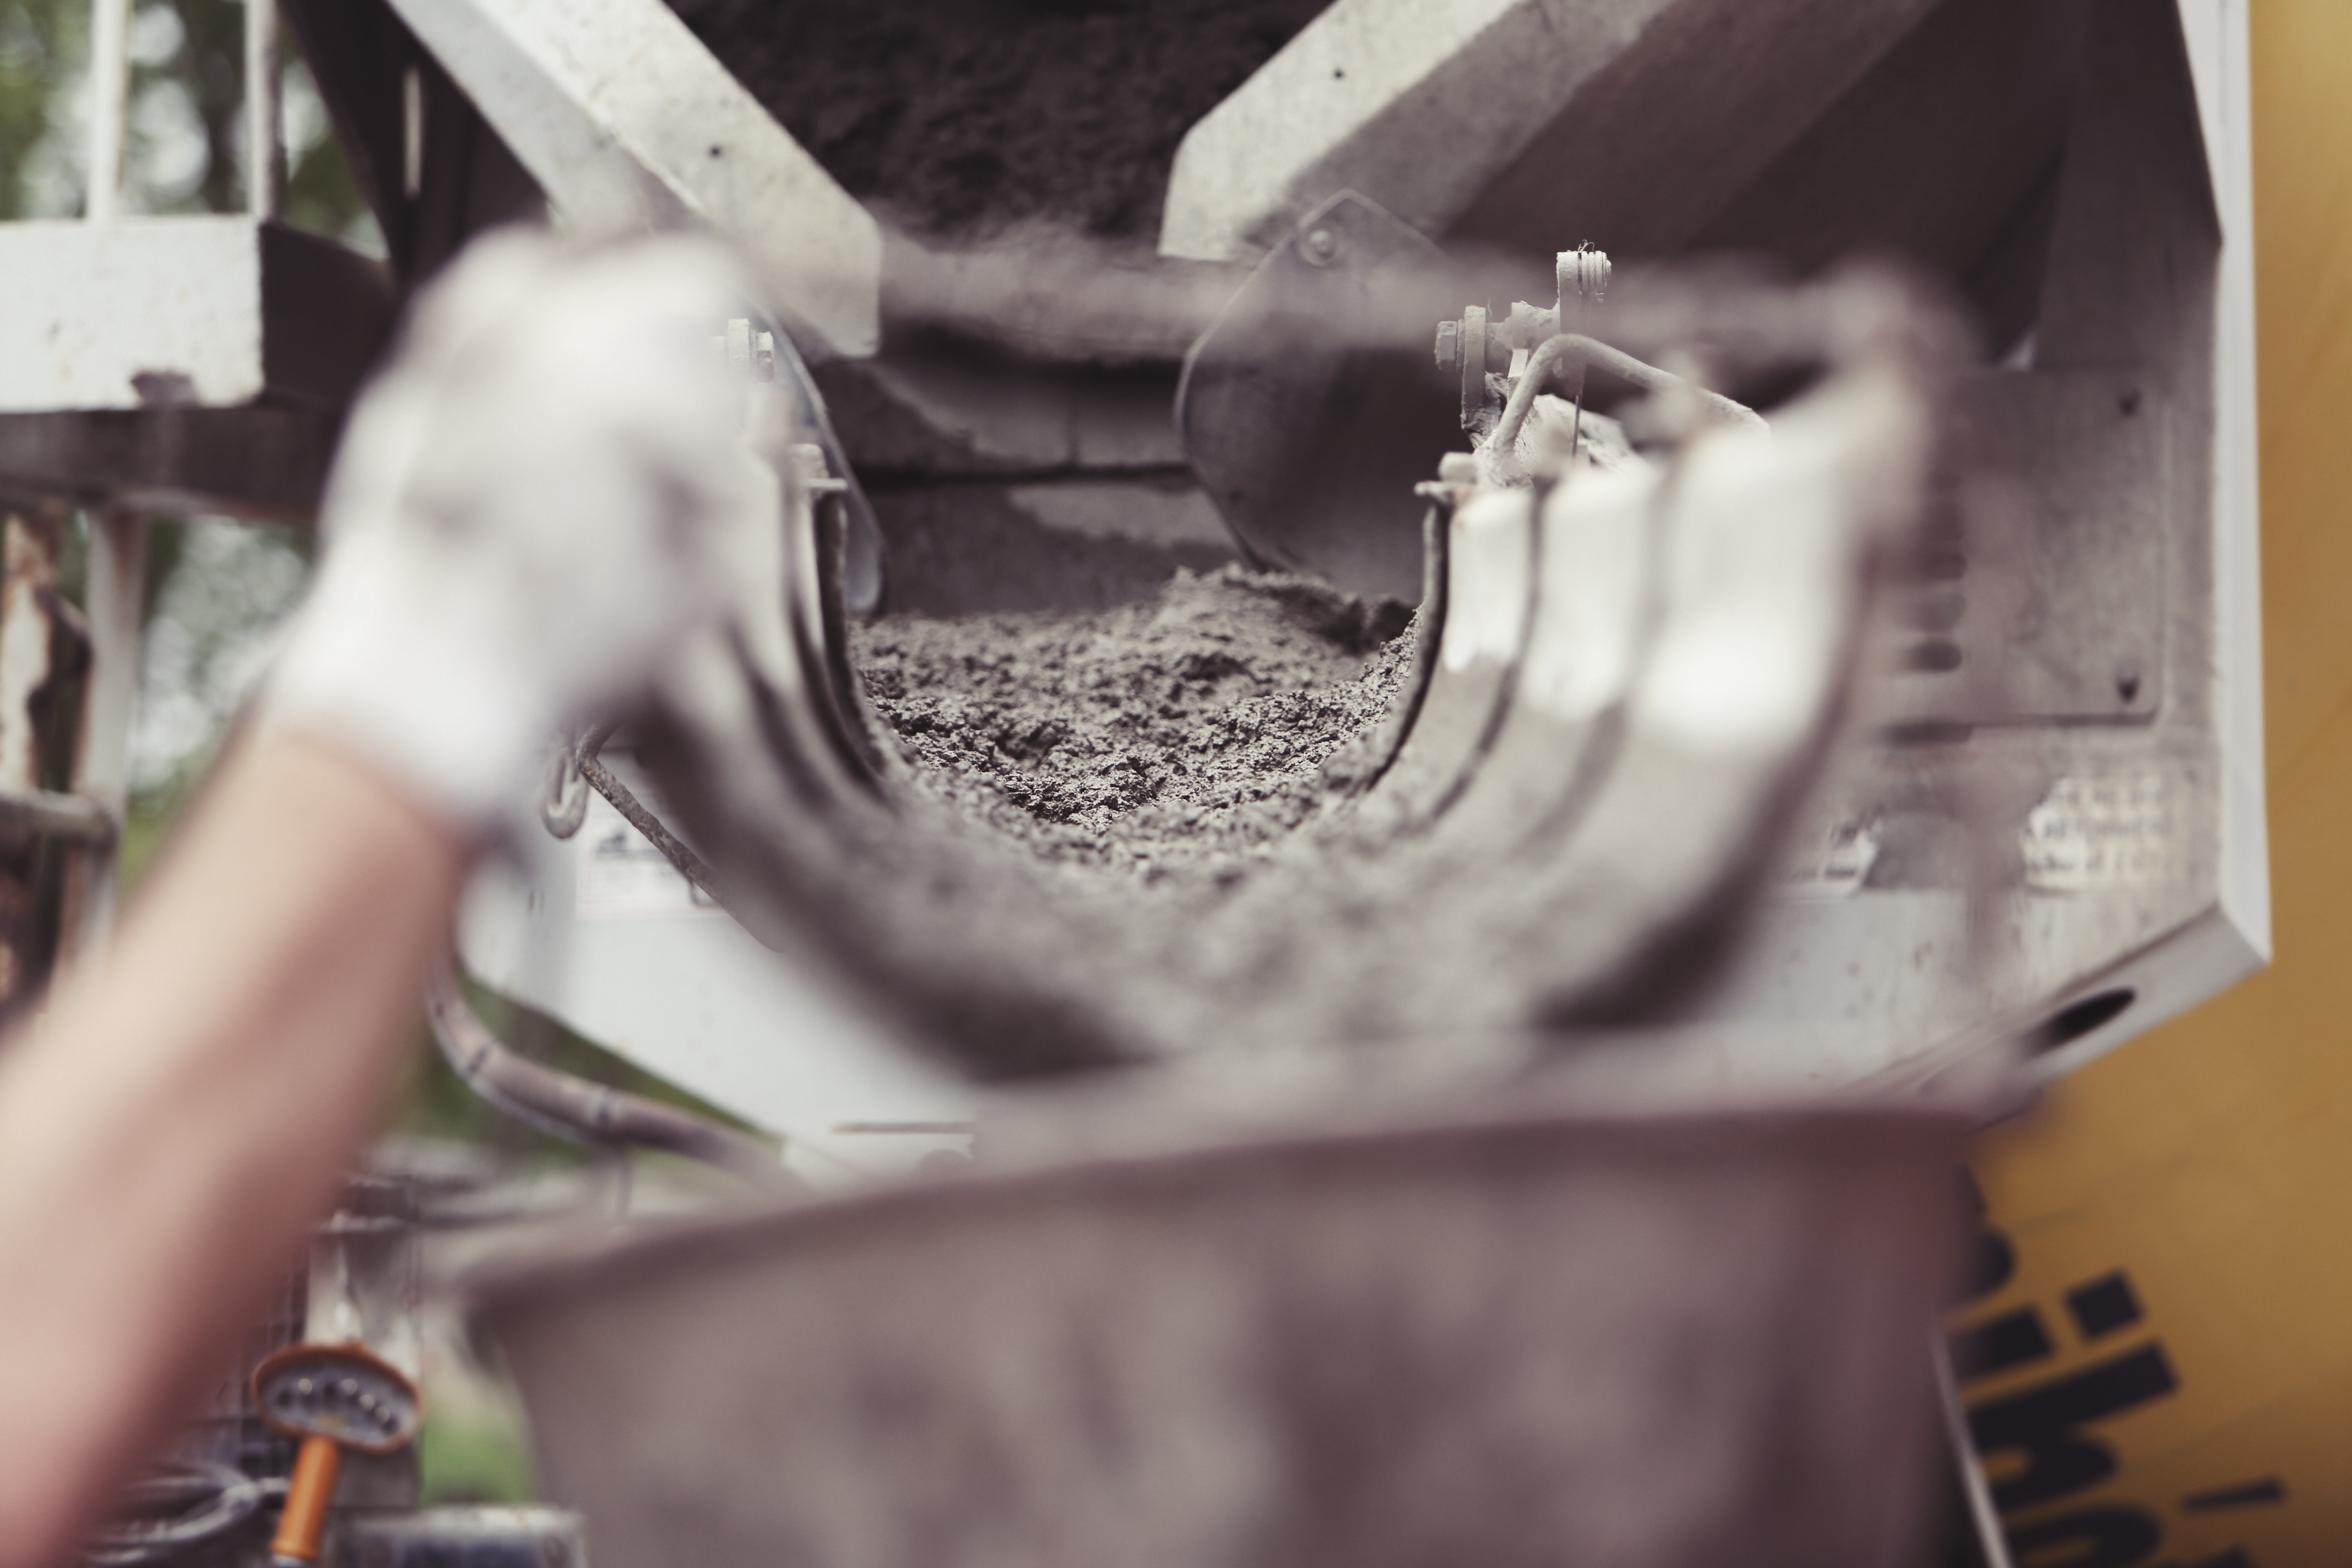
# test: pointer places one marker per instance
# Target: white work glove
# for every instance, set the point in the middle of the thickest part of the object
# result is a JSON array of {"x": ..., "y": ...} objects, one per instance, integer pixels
[{"x": 547, "y": 488}]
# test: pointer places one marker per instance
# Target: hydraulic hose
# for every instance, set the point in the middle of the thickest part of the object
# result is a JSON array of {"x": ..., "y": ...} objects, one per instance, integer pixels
[{"x": 579, "y": 1108}]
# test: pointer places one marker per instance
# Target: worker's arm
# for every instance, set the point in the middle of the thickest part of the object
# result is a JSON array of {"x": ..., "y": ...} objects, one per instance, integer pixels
[
  {"x": 548, "y": 489},
  {"x": 182, "y": 1115}
]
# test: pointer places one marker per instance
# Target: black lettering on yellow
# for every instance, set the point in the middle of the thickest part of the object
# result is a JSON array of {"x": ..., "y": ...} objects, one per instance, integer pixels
[
  {"x": 2044, "y": 1423},
  {"x": 2115, "y": 1536},
  {"x": 2104, "y": 1305},
  {"x": 1996, "y": 1345},
  {"x": 2245, "y": 1494}
]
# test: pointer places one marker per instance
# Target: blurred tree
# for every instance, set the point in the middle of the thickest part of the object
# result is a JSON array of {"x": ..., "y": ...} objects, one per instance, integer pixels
[
  {"x": 209, "y": 610},
  {"x": 209, "y": 66},
  {"x": 42, "y": 44},
  {"x": 184, "y": 150}
]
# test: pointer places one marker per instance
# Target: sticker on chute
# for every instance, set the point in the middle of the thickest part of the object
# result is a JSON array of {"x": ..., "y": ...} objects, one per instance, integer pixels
[{"x": 2093, "y": 834}]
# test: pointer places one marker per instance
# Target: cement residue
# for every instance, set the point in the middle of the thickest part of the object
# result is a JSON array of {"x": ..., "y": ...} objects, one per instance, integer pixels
[
  {"x": 956, "y": 116},
  {"x": 1131, "y": 835},
  {"x": 1184, "y": 733}
]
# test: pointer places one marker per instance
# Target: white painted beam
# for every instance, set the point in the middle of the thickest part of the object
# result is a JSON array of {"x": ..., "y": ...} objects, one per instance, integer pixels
[
  {"x": 209, "y": 311},
  {"x": 614, "y": 104},
  {"x": 1421, "y": 104},
  {"x": 2216, "y": 34}
]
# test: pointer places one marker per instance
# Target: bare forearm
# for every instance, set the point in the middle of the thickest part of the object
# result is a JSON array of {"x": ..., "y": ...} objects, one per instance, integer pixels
[
  {"x": 184, "y": 1114},
  {"x": 551, "y": 485}
]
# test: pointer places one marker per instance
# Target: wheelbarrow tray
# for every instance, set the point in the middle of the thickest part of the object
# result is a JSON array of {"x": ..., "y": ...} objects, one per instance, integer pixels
[{"x": 1528, "y": 1338}]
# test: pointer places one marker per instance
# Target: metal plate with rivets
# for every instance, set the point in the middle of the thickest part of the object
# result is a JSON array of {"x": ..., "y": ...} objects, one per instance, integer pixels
[
  {"x": 1312, "y": 407},
  {"x": 2056, "y": 611}
]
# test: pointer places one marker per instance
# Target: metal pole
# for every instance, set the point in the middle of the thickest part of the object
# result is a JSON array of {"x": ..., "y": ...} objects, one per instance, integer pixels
[
  {"x": 1992, "y": 1540},
  {"x": 110, "y": 82},
  {"x": 264, "y": 158},
  {"x": 116, "y": 588}
]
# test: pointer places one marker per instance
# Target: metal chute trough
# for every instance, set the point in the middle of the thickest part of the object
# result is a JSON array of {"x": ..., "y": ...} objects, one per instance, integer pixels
[{"x": 1832, "y": 703}]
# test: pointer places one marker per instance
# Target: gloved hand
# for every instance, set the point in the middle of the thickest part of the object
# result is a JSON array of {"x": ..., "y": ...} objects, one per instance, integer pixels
[{"x": 545, "y": 492}]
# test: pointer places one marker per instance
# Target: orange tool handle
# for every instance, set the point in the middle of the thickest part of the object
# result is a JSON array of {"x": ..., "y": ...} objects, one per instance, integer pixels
[{"x": 308, "y": 1493}]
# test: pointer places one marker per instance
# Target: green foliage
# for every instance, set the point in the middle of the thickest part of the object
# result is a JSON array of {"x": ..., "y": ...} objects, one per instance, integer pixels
[
  {"x": 42, "y": 45},
  {"x": 210, "y": 63},
  {"x": 185, "y": 124},
  {"x": 473, "y": 1452},
  {"x": 323, "y": 194},
  {"x": 147, "y": 824}
]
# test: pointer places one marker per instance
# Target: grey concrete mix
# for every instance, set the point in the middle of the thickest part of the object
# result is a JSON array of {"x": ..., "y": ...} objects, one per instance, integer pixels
[
  {"x": 1177, "y": 734},
  {"x": 952, "y": 118}
]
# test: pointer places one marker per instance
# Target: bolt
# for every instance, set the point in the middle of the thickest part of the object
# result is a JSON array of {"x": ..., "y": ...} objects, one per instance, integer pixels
[
  {"x": 1449, "y": 344},
  {"x": 1321, "y": 247}
]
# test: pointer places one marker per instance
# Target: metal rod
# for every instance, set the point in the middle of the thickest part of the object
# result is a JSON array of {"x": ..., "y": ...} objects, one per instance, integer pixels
[
  {"x": 1992, "y": 1540},
  {"x": 110, "y": 106},
  {"x": 265, "y": 154},
  {"x": 1572, "y": 352},
  {"x": 59, "y": 815},
  {"x": 114, "y": 597},
  {"x": 412, "y": 133},
  {"x": 198, "y": 1501},
  {"x": 1582, "y": 277},
  {"x": 633, "y": 810}
]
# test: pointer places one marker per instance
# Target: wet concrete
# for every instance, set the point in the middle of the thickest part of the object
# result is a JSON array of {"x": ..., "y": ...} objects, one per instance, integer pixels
[{"x": 1173, "y": 733}]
